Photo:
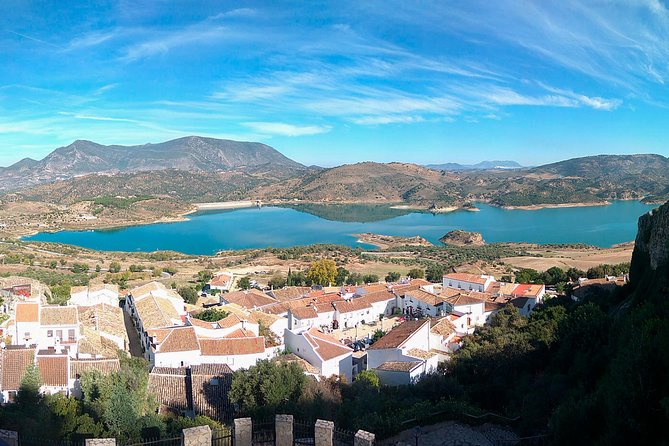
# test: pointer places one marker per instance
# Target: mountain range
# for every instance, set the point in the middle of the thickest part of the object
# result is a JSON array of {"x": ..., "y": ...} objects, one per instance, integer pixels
[
  {"x": 196, "y": 169},
  {"x": 483, "y": 165},
  {"x": 191, "y": 153}
]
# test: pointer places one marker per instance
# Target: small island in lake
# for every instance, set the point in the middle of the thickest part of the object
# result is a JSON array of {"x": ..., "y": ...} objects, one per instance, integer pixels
[{"x": 459, "y": 237}]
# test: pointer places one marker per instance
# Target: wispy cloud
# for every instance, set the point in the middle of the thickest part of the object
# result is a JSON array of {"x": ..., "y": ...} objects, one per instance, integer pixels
[{"x": 282, "y": 129}]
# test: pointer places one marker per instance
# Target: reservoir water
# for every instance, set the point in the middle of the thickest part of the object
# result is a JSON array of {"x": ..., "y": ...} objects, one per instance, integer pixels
[{"x": 209, "y": 232}]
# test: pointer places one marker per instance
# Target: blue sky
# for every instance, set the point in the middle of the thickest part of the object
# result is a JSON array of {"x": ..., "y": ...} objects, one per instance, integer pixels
[{"x": 339, "y": 82}]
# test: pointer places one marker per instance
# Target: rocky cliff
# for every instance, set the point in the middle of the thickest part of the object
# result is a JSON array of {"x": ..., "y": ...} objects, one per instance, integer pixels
[{"x": 650, "y": 261}]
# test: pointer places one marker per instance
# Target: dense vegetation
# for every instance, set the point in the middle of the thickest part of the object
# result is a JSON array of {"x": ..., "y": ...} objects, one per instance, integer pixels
[
  {"x": 118, "y": 405},
  {"x": 576, "y": 372}
]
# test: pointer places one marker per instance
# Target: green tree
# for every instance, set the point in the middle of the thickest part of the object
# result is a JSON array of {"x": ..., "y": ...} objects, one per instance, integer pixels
[
  {"x": 188, "y": 294},
  {"x": 393, "y": 276},
  {"x": 204, "y": 276},
  {"x": 29, "y": 396},
  {"x": 367, "y": 379},
  {"x": 370, "y": 278},
  {"x": 277, "y": 281},
  {"x": 322, "y": 272},
  {"x": 434, "y": 272},
  {"x": 114, "y": 267},
  {"x": 210, "y": 315},
  {"x": 416, "y": 273},
  {"x": 267, "y": 387},
  {"x": 244, "y": 283},
  {"x": 342, "y": 274}
]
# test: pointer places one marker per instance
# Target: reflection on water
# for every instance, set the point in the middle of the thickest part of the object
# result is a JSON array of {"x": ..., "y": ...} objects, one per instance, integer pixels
[{"x": 212, "y": 231}]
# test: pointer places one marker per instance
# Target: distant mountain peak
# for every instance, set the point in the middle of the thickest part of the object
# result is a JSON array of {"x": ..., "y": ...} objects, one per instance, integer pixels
[
  {"x": 483, "y": 165},
  {"x": 189, "y": 153}
]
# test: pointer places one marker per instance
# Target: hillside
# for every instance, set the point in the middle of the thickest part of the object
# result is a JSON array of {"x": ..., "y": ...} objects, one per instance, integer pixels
[
  {"x": 192, "y": 154},
  {"x": 203, "y": 169},
  {"x": 368, "y": 182},
  {"x": 483, "y": 165}
]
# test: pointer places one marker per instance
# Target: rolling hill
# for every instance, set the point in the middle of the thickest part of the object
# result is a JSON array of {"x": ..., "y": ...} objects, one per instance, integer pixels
[{"x": 196, "y": 169}]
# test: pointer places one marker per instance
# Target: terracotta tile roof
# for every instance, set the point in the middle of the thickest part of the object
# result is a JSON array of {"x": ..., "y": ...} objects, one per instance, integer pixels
[
  {"x": 304, "y": 312},
  {"x": 425, "y": 297},
  {"x": 493, "y": 306},
  {"x": 450, "y": 292},
  {"x": 93, "y": 343},
  {"x": 302, "y": 363},
  {"x": 232, "y": 346},
  {"x": 290, "y": 293},
  {"x": 155, "y": 311},
  {"x": 105, "y": 318},
  {"x": 170, "y": 388},
  {"x": 249, "y": 299},
  {"x": 59, "y": 316},
  {"x": 14, "y": 364},
  {"x": 465, "y": 277},
  {"x": 379, "y": 296},
  {"x": 54, "y": 369},
  {"x": 374, "y": 288},
  {"x": 420, "y": 353},
  {"x": 27, "y": 312},
  {"x": 350, "y": 306},
  {"x": 442, "y": 327},
  {"x": 141, "y": 291},
  {"x": 463, "y": 299},
  {"x": 525, "y": 290},
  {"x": 399, "y": 366},
  {"x": 241, "y": 333},
  {"x": 104, "y": 366},
  {"x": 221, "y": 279},
  {"x": 195, "y": 322},
  {"x": 502, "y": 288},
  {"x": 267, "y": 319},
  {"x": 180, "y": 339},
  {"x": 401, "y": 289},
  {"x": 399, "y": 335},
  {"x": 210, "y": 385},
  {"x": 325, "y": 346}
]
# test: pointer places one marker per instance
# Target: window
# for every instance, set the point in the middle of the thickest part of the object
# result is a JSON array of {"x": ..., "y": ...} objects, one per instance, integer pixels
[
  {"x": 26, "y": 335},
  {"x": 59, "y": 334},
  {"x": 49, "y": 333},
  {"x": 70, "y": 335},
  {"x": 213, "y": 381}
]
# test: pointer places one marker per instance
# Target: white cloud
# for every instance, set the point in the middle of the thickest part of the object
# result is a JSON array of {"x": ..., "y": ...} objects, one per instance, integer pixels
[
  {"x": 390, "y": 119},
  {"x": 282, "y": 129}
]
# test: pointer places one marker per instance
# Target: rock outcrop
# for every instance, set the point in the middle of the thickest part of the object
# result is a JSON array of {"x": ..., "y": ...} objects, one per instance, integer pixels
[
  {"x": 649, "y": 272},
  {"x": 463, "y": 238}
]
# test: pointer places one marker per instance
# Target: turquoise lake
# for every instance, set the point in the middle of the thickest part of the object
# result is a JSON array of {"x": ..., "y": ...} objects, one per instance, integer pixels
[{"x": 209, "y": 232}]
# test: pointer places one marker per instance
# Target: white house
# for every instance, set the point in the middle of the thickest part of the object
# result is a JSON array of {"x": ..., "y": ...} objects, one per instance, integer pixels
[
  {"x": 349, "y": 313},
  {"x": 404, "y": 354},
  {"x": 221, "y": 281},
  {"x": 59, "y": 328},
  {"x": 221, "y": 328},
  {"x": 15, "y": 360},
  {"x": 54, "y": 370},
  {"x": 173, "y": 347},
  {"x": 473, "y": 308},
  {"x": 468, "y": 282},
  {"x": 26, "y": 323},
  {"x": 421, "y": 302},
  {"x": 322, "y": 351},
  {"x": 526, "y": 297},
  {"x": 94, "y": 295},
  {"x": 239, "y": 350}
]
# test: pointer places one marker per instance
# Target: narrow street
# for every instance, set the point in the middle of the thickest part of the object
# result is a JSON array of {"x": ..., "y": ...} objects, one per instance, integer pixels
[{"x": 134, "y": 344}]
